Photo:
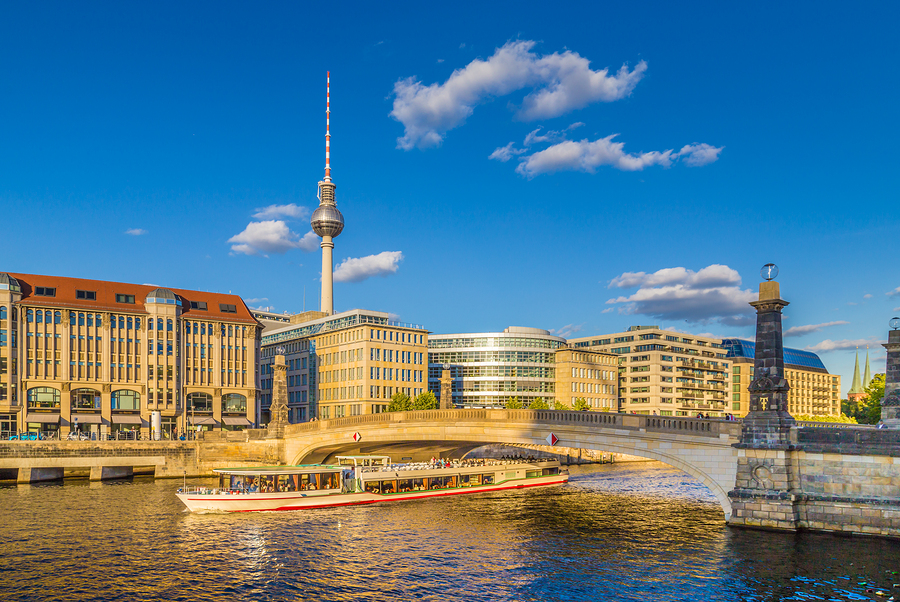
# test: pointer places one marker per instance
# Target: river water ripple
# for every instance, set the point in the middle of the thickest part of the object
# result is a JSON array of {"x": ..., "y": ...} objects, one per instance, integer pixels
[{"x": 637, "y": 531}]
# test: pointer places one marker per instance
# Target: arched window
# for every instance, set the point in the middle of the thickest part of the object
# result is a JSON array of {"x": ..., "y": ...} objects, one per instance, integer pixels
[
  {"x": 29, "y": 315},
  {"x": 169, "y": 325},
  {"x": 57, "y": 317},
  {"x": 159, "y": 324},
  {"x": 72, "y": 318},
  {"x": 14, "y": 314},
  {"x": 43, "y": 397},
  {"x": 38, "y": 316},
  {"x": 122, "y": 321},
  {"x": 126, "y": 400},
  {"x": 150, "y": 324},
  {"x": 234, "y": 403},
  {"x": 90, "y": 319},
  {"x": 130, "y": 323},
  {"x": 48, "y": 317},
  {"x": 203, "y": 329},
  {"x": 137, "y": 323},
  {"x": 81, "y": 319},
  {"x": 2, "y": 312},
  {"x": 200, "y": 402},
  {"x": 85, "y": 399},
  {"x": 195, "y": 328}
]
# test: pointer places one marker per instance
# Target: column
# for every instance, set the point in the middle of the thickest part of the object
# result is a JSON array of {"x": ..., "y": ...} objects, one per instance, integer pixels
[{"x": 890, "y": 404}]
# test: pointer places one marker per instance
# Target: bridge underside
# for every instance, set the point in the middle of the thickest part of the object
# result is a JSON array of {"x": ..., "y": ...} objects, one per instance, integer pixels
[{"x": 399, "y": 451}]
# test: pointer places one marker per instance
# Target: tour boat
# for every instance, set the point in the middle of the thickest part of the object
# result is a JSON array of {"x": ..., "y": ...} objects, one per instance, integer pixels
[{"x": 363, "y": 480}]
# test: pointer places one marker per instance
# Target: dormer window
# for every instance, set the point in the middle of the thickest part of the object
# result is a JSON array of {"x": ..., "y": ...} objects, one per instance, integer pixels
[
  {"x": 198, "y": 305},
  {"x": 124, "y": 298},
  {"x": 44, "y": 291},
  {"x": 86, "y": 295},
  {"x": 227, "y": 309}
]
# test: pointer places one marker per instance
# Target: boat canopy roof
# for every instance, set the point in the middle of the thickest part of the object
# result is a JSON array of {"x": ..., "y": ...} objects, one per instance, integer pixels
[
  {"x": 300, "y": 469},
  {"x": 365, "y": 460}
]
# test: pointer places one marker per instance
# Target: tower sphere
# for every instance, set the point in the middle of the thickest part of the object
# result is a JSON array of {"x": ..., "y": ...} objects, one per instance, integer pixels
[{"x": 326, "y": 220}]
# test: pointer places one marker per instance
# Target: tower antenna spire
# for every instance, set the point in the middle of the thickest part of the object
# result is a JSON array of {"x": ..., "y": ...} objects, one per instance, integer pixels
[{"x": 328, "y": 126}]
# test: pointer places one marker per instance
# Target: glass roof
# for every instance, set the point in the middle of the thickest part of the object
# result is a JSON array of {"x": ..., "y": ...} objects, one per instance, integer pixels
[{"x": 796, "y": 357}]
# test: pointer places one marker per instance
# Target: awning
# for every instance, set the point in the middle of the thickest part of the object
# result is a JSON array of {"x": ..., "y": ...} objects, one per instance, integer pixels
[
  {"x": 42, "y": 418},
  {"x": 86, "y": 419},
  {"x": 236, "y": 421},
  {"x": 202, "y": 420},
  {"x": 127, "y": 419}
]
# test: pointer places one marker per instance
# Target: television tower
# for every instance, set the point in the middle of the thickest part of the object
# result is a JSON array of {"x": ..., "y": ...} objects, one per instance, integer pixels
[{"x": 326, "y": 220}]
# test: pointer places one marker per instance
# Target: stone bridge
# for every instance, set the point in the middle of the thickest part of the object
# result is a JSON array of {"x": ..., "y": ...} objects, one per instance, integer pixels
[{"x": 701, "y": 448}]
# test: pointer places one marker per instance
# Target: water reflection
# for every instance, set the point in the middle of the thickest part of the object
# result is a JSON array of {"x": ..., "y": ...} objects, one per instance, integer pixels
[{"x": 622, "y": 532}]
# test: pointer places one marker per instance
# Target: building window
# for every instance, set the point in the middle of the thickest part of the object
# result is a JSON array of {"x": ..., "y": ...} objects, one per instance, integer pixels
[
  {"x": 124, "y": 298},
  {"x": 198, "y": 305},
  {"x": 200, "y": 402},
  {"x": 234, "y": 403},
  {"x": 227, "y": 309},
  {"x": 87, "y": 295},
  {"x": 44, "y": 291},
  {"x": 126, "y": 400}
]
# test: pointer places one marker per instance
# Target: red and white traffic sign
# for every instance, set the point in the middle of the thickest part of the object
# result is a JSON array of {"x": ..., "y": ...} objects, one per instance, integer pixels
[
  {"x": 552, "y": 439},
  {"x": 357, "y": 436}
]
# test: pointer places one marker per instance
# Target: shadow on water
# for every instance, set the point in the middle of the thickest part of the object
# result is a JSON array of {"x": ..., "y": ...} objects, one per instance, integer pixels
[{"x": 637, "y": 531}]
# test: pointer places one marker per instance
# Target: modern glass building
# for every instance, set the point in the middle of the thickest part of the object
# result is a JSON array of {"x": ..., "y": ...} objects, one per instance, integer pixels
[{"x": 490, "y": 368}]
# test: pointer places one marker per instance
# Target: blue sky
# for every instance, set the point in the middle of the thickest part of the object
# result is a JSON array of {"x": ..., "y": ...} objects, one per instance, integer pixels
[{"x": 740, "y": 135}]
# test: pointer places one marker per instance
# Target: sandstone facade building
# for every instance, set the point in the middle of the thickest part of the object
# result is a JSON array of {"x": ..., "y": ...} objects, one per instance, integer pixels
[
  {"x": 104, "y": 356},
  {"x": 343, "y": 364},
  {"x": 666, "y": 372}
]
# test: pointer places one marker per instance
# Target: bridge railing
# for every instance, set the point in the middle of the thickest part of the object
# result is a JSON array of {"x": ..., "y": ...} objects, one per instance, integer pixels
[{"x": 664, "y": 424}]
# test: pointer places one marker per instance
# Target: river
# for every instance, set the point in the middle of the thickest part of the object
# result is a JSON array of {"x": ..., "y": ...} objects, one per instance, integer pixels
[{"x": 630, "y": 531}]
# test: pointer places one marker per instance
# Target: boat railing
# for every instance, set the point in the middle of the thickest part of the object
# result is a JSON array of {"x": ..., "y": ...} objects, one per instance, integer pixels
[
  {"x": 442, "y": 464},
  {"x": 212, "y": 491}
]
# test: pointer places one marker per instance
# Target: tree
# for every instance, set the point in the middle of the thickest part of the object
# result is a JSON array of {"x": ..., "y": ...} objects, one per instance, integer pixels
[
  {"x": 400, "y": 402},
  {"x": 581, "y": 404},
  {"x": 558, "y": 405},
  {"x": 513, "y": 403},
  {"x": 425, "y": 401},
  {"x": 868, "y": 409},
  {"x": 538, "y": 404},
  {"x": 811, "y": 418}
]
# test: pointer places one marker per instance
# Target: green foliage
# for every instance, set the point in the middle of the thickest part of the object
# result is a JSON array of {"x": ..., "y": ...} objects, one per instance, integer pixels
[
  {"x": 558, "y": 405},
  {"x": 842, "y": 418},
  {"x": 538, "y": 404},
  {"x": 425, "y": 401},
  {"x": 581, "y": 404},
  {"x": 868, "y": 409},
  {"x": 400, "y": 402},
  {"x": 513, "y": 403}
]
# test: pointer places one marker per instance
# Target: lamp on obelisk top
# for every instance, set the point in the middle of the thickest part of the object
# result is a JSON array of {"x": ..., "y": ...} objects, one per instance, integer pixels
[
  {"x": 768, "y": 423},
  {"x": 326, "y": 220},
  {"x": 890, "y": 403}
]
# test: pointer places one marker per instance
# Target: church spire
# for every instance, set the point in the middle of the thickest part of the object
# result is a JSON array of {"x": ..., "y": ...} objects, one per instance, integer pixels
[
  {"x": 856, "y": 387},
  {"x": 867, "y": 375}
]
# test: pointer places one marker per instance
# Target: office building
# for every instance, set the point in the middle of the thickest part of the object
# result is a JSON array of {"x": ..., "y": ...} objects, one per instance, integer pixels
[
  {"x": 813, "y": 392},
  {"x": 666, "y": 372},
  {"x": 106, "y": 355},
  {"x": 344, "y": 364},
  {"x": 490, "y": 369}
]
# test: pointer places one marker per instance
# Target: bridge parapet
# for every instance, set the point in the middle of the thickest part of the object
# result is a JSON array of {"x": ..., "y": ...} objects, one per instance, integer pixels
[{"x": 637, "y": 422}]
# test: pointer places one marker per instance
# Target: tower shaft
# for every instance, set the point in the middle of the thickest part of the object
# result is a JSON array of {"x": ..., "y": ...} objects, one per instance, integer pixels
[{"x": 327, "y": 245}]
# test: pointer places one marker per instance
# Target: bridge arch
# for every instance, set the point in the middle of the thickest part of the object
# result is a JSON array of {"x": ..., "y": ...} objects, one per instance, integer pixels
[{"x": 700, "y": 448}]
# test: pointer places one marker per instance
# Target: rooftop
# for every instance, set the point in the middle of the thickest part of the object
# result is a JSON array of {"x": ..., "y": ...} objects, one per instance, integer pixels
[{"x": 794, "y": 357}]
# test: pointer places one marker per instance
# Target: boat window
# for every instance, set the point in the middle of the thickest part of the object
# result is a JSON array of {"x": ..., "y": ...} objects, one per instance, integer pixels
[
  {"x": 373, "y": 486},
  {"x": 237, "y": 481},
  {"x": 405, "y": 485},
  {"x": 469, "y": 480},
  {"x": 251, "y": 484},
  {"x": 267, "y": 483},
  {"x": 389, "y": 487},
  {"x": 440, "y": 482},
  {"x": 287, "y": 482},
  {"x": 305, "y": 482},
  {"x": 487, "y": 479},
  {"x": 330, "y": 480},
  {"x": 549, "y": 471},
  {"x": 418, "y": 484}
]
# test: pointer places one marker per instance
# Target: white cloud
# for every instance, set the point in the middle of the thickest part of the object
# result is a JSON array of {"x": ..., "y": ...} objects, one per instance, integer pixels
[
  {"x": 135, "y": 231},
  {"x": 559, "y": 83},
  {"x": 257, "y": 300},
  {"x": 271, "y": 236},
  {"x": 796, "y": 331},
  {"x": 567, "y": 330},
  {"x": 309, "y": 242},
  {"x": 843, "y": 344},
  {"x": 357, "y": 269},
  {"x": 867, "y": 296},
  {"x": 505, "y": 153},
  {"x": 711, "y": 294},
  {"x": 894, "y": 292},
  {"x": 697, "y": 155},
  {"x": 896, "y": 309},
  {"x": 607, "y": 310},
  {"x": 584, "y": 155},
  {"x": 274, "y": 211}
]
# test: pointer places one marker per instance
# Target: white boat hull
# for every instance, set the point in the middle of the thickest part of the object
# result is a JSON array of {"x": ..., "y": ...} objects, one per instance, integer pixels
[{"x": 303, "y": 500}]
